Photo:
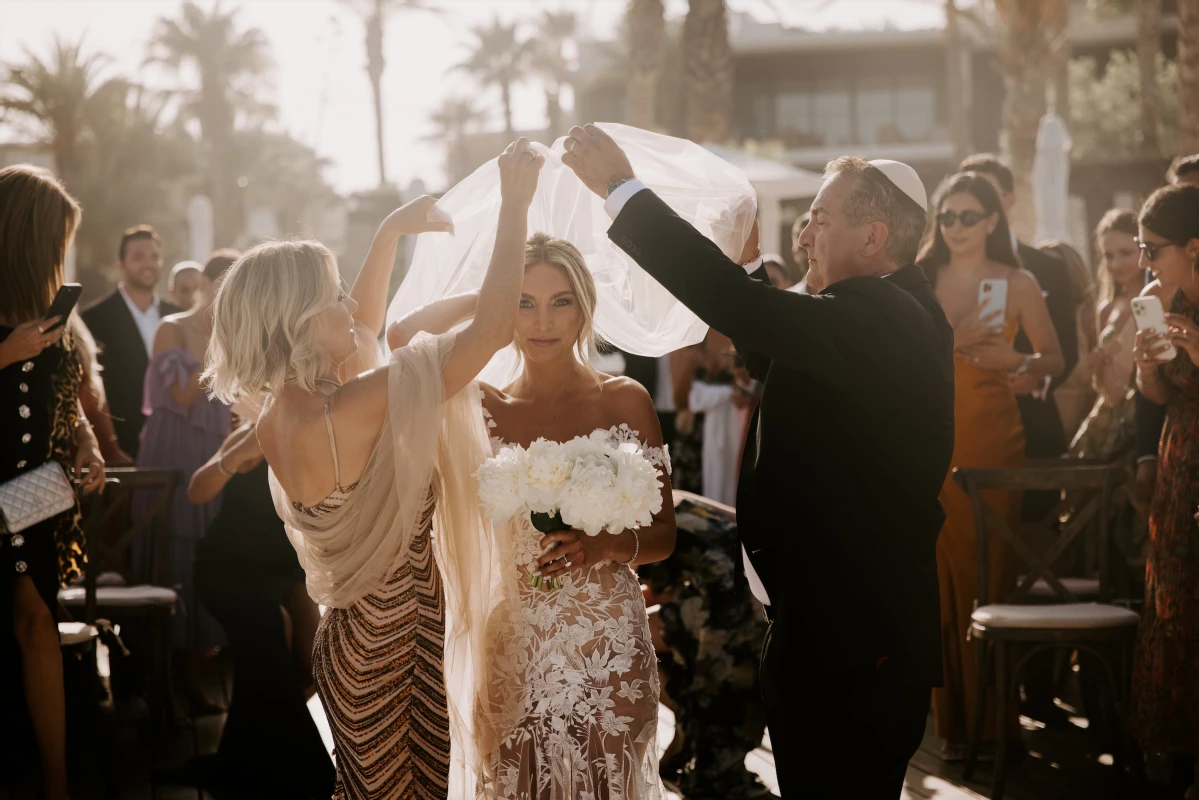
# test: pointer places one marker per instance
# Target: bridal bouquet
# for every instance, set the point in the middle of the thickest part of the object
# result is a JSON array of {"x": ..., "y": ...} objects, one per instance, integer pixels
[{"x": 594, "y": 483}]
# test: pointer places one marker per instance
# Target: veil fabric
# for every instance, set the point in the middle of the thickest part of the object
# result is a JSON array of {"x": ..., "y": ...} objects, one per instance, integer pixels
[{"x": 634, "y": 312}]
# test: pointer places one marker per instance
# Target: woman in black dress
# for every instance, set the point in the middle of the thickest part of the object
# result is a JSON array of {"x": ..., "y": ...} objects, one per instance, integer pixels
[
  {"x": 42, "y": 421},
  {"x": 248, "y": 577}
]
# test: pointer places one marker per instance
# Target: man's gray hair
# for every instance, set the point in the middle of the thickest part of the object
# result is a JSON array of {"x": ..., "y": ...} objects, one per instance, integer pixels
[{"x": 875, "y": 199}]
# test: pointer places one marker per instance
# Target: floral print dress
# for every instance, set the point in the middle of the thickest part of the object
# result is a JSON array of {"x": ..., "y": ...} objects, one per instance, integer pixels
[{"x": 572, "y": 689}]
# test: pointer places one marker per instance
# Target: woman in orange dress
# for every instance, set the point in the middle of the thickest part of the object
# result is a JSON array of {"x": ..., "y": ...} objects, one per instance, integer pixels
[{"x": 970, "y": 243}]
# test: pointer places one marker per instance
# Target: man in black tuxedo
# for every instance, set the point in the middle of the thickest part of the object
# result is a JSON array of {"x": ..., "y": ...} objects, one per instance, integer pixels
[
  {"x": 857, "y": 408},
  {"x": 123, "y": 323},
  {"x": 1044, "y": 435}
]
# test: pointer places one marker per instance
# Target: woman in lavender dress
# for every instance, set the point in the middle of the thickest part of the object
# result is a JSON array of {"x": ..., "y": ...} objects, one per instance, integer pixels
[{"x": 184, "y": 427}]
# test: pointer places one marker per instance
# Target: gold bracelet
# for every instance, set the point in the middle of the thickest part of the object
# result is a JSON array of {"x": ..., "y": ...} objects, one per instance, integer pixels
[{"x": 636, "y": 549}]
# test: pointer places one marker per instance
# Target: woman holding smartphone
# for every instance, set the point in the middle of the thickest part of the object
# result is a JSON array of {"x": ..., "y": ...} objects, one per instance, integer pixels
[
  {"x": 969, "y": 258},
  {"x": 1164, "y": 691},
  {"x": 39, "y": 394}
]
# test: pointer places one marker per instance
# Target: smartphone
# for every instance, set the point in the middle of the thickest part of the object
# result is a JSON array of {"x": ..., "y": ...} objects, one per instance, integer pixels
[
  {"x": 1150, "y": 316},
  {"x": 63, "y": 304},
  {"x": 992, "y": 296}
]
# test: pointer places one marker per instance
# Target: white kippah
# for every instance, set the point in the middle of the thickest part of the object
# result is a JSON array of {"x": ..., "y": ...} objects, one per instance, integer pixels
[{"x": 904, "y": 178}]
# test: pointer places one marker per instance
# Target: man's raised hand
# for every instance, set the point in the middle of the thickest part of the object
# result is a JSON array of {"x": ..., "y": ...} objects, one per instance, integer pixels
[
  {"x": 596, "y": 158},
  {"x": 519, "y": 168}
]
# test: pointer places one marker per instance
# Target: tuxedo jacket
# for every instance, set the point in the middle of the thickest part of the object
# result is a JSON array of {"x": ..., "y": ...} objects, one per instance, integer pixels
[
  {"x": 124, "y": 362},
  {"x": 837, "y": 499},
  {"x": 1044, "y": 435}
]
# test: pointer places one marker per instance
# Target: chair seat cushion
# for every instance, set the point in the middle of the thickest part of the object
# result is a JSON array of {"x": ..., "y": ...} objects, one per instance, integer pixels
[
  {"x": 71, "y": 634},
  {"x": 120, "y": 596},
  {"x": 1077, "y": 616},
  {"x": 1079, "y": 587}
]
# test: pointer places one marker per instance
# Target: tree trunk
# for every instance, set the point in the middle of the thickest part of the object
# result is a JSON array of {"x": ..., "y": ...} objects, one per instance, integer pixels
[
  {"x": 959, "y": 130},
  {"x": 1031, "y": 37},
  {"x": 1188, "y": 76},
  {"x": 1148, "y": 46},
  {"x": 506, "y": 92},
  {"x": 645, "y": 25},
  {"x": 374, "y": 70},
  {"x": 553, "y": 112},
  {"x": 709, "y": 70}
]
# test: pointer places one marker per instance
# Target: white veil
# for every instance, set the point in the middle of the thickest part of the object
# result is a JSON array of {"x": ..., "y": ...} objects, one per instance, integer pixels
[{"x": 634, "y": 312}]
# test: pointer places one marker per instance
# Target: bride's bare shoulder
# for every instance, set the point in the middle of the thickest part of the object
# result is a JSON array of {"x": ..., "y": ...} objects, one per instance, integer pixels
[{"x": 628, "y": 401}]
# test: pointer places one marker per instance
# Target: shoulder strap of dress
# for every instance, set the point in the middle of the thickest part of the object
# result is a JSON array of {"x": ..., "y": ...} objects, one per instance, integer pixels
[{"x": 332, "y": 444}]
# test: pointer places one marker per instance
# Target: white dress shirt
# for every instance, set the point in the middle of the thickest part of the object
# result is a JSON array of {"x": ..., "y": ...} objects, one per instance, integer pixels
[
  {"x": 147, "y": 321},
  {"x": 613, "y": 206}
]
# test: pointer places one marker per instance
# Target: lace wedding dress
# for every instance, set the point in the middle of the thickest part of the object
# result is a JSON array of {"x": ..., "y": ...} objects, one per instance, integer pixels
[{"x": 571, "y": 692}]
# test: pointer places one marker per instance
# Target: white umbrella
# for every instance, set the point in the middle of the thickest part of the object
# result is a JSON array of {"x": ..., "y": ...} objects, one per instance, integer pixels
[{"x": 1051, "y": 179}]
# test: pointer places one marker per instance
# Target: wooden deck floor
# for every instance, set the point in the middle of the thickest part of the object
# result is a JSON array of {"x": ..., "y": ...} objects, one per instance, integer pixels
[{"x": 1062, "y": 764}]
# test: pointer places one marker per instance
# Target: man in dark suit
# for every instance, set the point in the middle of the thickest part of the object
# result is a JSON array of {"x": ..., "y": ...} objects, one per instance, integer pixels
[
  {"x": 123, "y": 323},
  {"x": 857, "y": 408},
  {"x": 1044, "y": 435}
]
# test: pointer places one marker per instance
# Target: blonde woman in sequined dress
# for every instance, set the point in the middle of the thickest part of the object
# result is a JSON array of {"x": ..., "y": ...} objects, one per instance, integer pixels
[{"x": 357, "y": 470}]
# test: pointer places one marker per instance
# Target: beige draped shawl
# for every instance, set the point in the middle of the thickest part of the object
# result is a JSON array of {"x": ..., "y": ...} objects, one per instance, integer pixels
[{"x": 347, "y": 554}]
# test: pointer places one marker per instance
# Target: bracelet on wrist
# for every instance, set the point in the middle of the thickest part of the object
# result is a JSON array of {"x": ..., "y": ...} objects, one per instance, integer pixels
[
  {"x": 220, "y": 465},
  {"x": 636, "y": 549}
]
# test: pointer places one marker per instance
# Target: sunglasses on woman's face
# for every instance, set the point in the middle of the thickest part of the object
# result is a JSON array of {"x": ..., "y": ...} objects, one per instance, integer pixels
[
  {"x": 969, "y": 219},
  {"x": 1151, "y": 250}
]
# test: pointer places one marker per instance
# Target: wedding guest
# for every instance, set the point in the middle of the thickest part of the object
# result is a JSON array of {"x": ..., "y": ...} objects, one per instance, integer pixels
[
  {"x": 871, "y": 358},
  {"x": 1044, "y": 435},
  {"x": 184, "y": 427},
  {"x": 355, "y": 467},
  {"x": 1109, "y": 430},
  {"x": 184, "y": 283},
  {"x": 969, "y": 243},
  {"x": 687, "y": 446},
  {"x": 93, "y": 397},
  {"x": 249, "y": 578},
  {"x": 712, "y": 631},
  {"x": 780, "y": 276},
  {"x": 40, "y": 377},
  {"x": 712, "y": 394},
  {"x": 1074, "y": 396},
  {"x": 1183, "y": 171},
  {"x": 1164, "y": 692},
  {"x": 124, "y": 323}
]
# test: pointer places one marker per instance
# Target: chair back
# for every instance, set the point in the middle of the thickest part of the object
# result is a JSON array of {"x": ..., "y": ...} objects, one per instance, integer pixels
[
  {"x": 1090, "y": 488},
  {"x": 154, "y": 518}
]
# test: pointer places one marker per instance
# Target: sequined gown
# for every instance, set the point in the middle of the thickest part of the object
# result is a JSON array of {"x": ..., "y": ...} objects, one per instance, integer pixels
[
  {"x": 573, "y": 682},
  {"x": 378, "y": 670},
  {"x": 1165, "y": 694}
]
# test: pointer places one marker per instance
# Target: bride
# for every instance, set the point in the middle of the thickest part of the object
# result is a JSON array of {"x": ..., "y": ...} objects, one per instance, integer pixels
[{"x": 569, "y": 705}]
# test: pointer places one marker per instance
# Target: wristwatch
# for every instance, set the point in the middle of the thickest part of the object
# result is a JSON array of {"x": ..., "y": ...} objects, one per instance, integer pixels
[{"x": 1025, "y": 365}]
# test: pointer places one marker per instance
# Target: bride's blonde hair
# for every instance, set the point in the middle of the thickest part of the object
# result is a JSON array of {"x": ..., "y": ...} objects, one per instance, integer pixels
[
  {"x": 263, "y": 320},
  {"x": 545, "y": 249}
]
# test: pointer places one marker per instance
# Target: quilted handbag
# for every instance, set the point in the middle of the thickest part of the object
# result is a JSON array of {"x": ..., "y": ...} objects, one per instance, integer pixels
[{"x": 34, "y": 496}]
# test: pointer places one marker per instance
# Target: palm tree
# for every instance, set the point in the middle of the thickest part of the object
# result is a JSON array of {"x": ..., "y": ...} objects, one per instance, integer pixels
[
  {"x": 457, "y": 118},
  {"x": 374, "y": 15},
  {"x": 230, "y": 62},
  {"x": 1188, "y": 76},
  {"x": 709, "y": 68},
  {"x": 1032, "y": 33},
  {"x": 59, "y": 98},
  {"x": 499, "y": 59},
  {"x": 645, "y": 27},
  {"x": 1149, "y": 20},
  {"x": 955, "y": 88},
  {"x": 548, "y": 61}
]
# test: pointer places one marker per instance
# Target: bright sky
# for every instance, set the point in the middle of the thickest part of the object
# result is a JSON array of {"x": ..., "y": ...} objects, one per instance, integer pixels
[{"x": 319, "y": 82}]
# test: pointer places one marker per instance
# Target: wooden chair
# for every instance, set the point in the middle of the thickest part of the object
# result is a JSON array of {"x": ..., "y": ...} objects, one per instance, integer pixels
[
  {"x": 1066, "y": 622},
  {"x": 153, "y": 604}
]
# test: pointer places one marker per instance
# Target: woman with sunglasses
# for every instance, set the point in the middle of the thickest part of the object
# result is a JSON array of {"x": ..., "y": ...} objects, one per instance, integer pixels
[
  {"x": 1165, "y": 693},
  {"x": 971, "y": 243}
]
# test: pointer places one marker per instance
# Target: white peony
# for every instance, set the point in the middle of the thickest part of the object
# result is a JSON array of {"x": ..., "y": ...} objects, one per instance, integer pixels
[
  {"x": 548, "y": 470},
  {"x": 503, "y": 483},
  {"x": 586, "y": 503},
  {"x": 638, "y": 490}
]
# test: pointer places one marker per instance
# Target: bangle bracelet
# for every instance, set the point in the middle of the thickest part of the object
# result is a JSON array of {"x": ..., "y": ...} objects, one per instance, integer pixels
[
  {"x": 220, "y": 465},
  {"x": 636, "y": 549}
]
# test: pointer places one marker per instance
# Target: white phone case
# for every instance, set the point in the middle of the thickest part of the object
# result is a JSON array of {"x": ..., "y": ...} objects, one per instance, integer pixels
[
  {"x": 1150, "y": 316},
  {"x": 992, "y": 296}
]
